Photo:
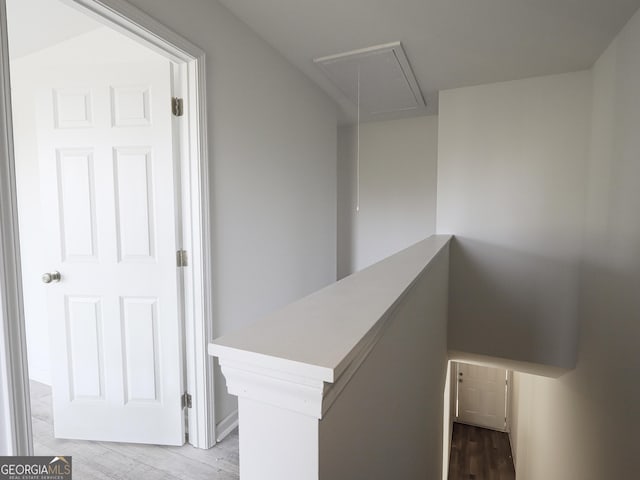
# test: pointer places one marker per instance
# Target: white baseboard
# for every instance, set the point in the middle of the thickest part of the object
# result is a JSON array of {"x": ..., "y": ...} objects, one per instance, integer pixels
[
  {"x": 226, "y": 426},
  {"x": 40, "y": 376}
]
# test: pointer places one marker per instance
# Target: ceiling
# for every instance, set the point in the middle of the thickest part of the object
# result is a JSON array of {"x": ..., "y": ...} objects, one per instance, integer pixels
[
  {"x": 450, "y": 43},
  {"x": 37, "y": 24}
]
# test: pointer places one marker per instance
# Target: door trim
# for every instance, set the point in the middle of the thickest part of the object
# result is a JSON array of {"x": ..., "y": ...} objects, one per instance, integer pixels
[
  {"x": 137, "y": 25},
  {"x": 14, "y": 399}
]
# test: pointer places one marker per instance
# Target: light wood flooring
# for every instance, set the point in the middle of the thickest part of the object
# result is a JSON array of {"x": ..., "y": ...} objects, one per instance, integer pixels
[
  {"x": 120, "y": 461},
  {"x": 480, "y": 454}
]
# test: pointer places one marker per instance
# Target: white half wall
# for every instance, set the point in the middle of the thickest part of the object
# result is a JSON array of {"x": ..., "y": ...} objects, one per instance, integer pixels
[
  {"x": 272, "y": 140},
  {"x": 398, "y": 161},
  {"x": 512, "y": 163},
  {"x": 387, "y": 422}
]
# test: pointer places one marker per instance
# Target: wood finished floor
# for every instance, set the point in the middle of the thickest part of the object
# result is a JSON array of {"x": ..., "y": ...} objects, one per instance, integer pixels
[
  {"x": 480, "y": 454},
  {"x": 124, "y": 461}
]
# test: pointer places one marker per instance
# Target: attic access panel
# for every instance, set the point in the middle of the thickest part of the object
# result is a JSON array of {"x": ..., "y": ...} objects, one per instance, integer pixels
[{"x": 387, "y": 82}]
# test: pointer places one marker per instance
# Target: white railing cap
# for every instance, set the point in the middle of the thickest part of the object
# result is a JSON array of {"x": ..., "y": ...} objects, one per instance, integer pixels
[{"x": 318, "y": 336}]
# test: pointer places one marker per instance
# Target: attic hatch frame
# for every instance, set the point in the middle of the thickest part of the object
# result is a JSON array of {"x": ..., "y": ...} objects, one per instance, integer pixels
[
  {"x": 16, "y": 435},
  {"x": 399, "y": 54}
]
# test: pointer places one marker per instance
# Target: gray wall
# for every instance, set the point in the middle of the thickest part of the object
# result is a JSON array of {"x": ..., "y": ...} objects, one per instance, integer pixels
[
  {"x": 388, "y": 420},
  {"x": 398, "y": 160},
  {"x": 593, "y": 411},
  {"x": 272, "y": 138},
  {"x": 512, "y": 159}
]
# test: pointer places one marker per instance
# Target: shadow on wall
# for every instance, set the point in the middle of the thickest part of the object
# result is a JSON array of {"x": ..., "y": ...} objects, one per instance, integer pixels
[
  {"x": 592, "y": 410},
  {"x": 512, "y": 304},
  {"x": 608, "y": 367},
  {"x": 610, "y": 321}
]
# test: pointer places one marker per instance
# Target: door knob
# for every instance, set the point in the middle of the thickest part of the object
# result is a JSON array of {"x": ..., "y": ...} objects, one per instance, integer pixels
[{"x": 51, "y": 277}]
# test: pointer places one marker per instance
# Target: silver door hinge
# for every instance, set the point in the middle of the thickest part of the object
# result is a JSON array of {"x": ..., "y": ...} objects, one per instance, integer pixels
[
  {"x": 177, "y": 106},
  {"x": 186, "y": 400},
  {"x": 181, "y": 258}
]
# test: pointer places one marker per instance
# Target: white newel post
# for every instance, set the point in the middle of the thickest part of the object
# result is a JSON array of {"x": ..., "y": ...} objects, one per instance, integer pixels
[
  {"x": 279, "y": 411},
  {"x": 277, "y": 443}
]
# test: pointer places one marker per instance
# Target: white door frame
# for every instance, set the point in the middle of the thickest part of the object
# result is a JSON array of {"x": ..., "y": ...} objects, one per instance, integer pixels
[{"x": 16, "y": 437}]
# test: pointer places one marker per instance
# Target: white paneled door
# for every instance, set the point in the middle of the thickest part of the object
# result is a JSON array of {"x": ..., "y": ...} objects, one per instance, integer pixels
[
  {"x": 481, "y": 394},
  {"x": 110, "y": 226}
]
